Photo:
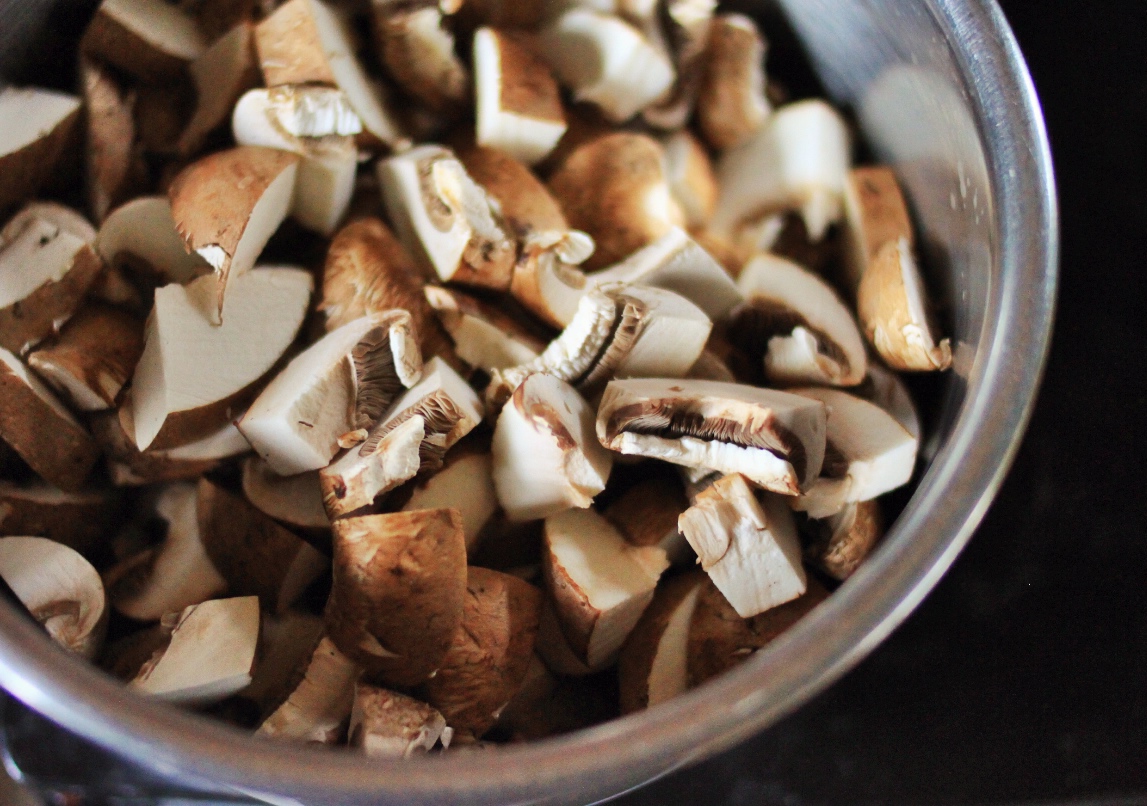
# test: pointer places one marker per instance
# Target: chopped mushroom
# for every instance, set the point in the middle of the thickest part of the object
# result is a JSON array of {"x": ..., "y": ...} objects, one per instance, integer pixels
[
  {"x": 296, "y": 501},
  {"x": 398, "y": 593},
  {"x": 417, "y": 50},
  {"x": 875, "y": 214},
  {"x": 893, "y": 307},
  {"x": 842, "y": 541},
  {"x": 141, "y": 238},
  {"x": 386, "y": 724},
  {"x": 61, "y": 590},
  {"x": 67, "y": 219},
  {"x": 600, "y": 585},
  {"x": 487, "y": 662},
  {"x": 286, "y": 643},
  {"x": 732, "y": 105},
  {"x": 412, "y": 437},
  {"x": 318, "y": 708},
  {"x": 78, "y": 520},
  {"x": 466, "y": 483},
  {"x": 546, "y": 459},
  {"x": 519, "y": 107},
  {"x": 38, "y": 128},
  {"x": 689, "y": 172},
  {"x": 884, "y": 388},
  {"x": 646, "y": 515},
  {"x": 211, "y": 654},
  {"x": 774, "y": 438},
  {"x": 483, "y": 336},
  {"x": 554, "y": 649},
  {"x": 150, "y": 40},
  {"x": 344, "y": 383},
  {"x": 688, "y": 25},
  {"x": 221, "y": 75},
  {"x": 113, "y": 163},
  {"x": 748, "y": 546}
]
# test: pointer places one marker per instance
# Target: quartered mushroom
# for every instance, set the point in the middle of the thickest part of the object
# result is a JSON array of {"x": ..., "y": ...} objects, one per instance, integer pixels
[
  {"x": 491, "y": 652},
  {"x": 222, "y": 74},
  {"x": 868, "y": 453},
  {"x": 796, "y": 321},
  {"x": 210, "y": 656},
  {"x": 306, "y": 42},
  {"x": 45, "y": 271},
  {"x": 747, "y": 545},
  {"x": 619, "y": 331},
  {"x": 342, "y": 384},
  {"x": 61, "y": 590},
  {"x": 615, "y": 189},
  {"x": 842, "y": 541},
  {"x": 150, "y": 40},
  {"x": 38, "y": 427},
  {"x": 894, "y": 312},
  {"x": 773, "y": 438},
  {"x": 398, "y": 593},
  {"x": 39, "y": 125},
  {"x": 446, "y": 218},
  {"x": 173, "y": 575},
  {"x": 141, "y": 238},
  {"x": 418, "y": 52},
  {"x": 685, "y": 28},
  {"x": 547, "y": 281},
  {"x": 466, "y": 483},
  {"x": 646, "y": 515},
  {"x": 78, "y": 520},
  {"x": 386, "y": 724},
  {"x": 798, "y": 160},
  {"x": 256, "y": 555},
  {"x": 295, "y": 501},
  {"x": 484, "y": 337},
  {"x": 227, "y": 206},
  {"x": 732, "y": 105},
  {"x": 317, "y": 709},
  {"x": 653, "y": 666},
  {"x": 93, "y": 357},
  {"x": 692, "y": 181},
  {"x": 875, "y": 214},
  {"x": 553, "y": 648},
  {"x": 412, "y": 437},
  {"x": 599, "y": 584},
  {"x": 545, "y": 456},
  {"x": 519, "y": 108},
  {"x": 179, "y": 394},
  {"x": 606, "y": 61},
  {"x": 113, "y": 163}
]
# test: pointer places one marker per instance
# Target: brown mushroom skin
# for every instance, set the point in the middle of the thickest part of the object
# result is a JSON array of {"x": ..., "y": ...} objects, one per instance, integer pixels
[
  {"x": 491, "y": 652},
  {"x": 527, "y": 206},
  {"x": 31, "y": 320},
  {"x": 23, "y": 172},
  {"x": 840, "y": 555},
  {"x": 398, "y": 592}
]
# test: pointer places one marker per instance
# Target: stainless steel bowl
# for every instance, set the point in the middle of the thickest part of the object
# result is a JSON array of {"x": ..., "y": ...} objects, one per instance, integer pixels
[{"x": 942, "y": 92}]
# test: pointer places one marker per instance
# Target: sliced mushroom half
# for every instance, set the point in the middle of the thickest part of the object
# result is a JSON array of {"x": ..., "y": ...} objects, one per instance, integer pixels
[
  {"x": 466, "y": 483},
  {"x": 732, "y": 104},
  {"x": 796, "y": 321},
  {"x": 318, "y": 708},
  {"x": 221, "y": 75},
  {"x": 64, "y": 217},
  {"x": 685, "y": 27},
  {"x": 141, "y": 238},
  {"x": 39, "y": 125},
  {"x": 149, "y": 40},
  {"x": 774, "y": 438},
  {"x": 61, "y": 590},
  {"x": 386, "y": 724},
  {"x": 418, "y": 50},
  {"x": 296, "y": 501},
  {"x": 691, "y": 178},
  {"x": 483, "y": 336},
  {"x": 875, "y": 214}
]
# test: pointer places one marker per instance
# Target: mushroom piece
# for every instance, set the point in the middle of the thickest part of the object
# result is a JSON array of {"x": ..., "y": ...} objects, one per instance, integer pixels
[
  {"x": 445, "y": 218},
  {"x": 180, "y": 392},
  {"x": 519, "y": 108},
  {"x": 692, "y": 181},
  {"x": 399, "y": 591},
  {"x": 295, "y": 501},
  {"x": 599, "y": 584},
  {"x": 491, "y": 652},
  {"x": 884, "y": 388},
  {"x": 732, "y": 104},
  {"x": 748, "y": 546},
  {"x": 38, "y": 128},
  {"x": 677, "y": 263},
  {"x": 528, "y": 209},
  {"x": 521, "y": 14},
  {"x": 67, "y": 219},
  {"x": 173, "y": 575},
  {"x": 150, "y": 40},
  {"x": 256, "y": 556},
  {"x": 653, "y": 665},
  {"x": 546, "y": 280},
  {"x": 60, "y": 589},
  {"x": 619, "y": 330},
  {"x": 318, "y": 708},
  {"x": 711, "y": 367},
  {"x": 719, "y": 639},
  {"x": 286, "y": 643},
  {"x": 418, "y": 52},
  {"x": 45, "y": 273},
  {"x": 796, "y": 321},
  {"x": 386, "y": 724},
  {"x": 483, "y": 336},
  {"x": 646, "y": 515},
  {"x": 343, "y": 383},
  {"x": 545, "y": 457},
  {"x": 875, "y": 214},
  {"x": 554, "y": 650},
  {"x": 93, "y": 358},
  {"x": 229, "y": 204},
  {"x": 221, "y": 75},
  {"x": 466, "y": 483},
  {"x": 868, "y": 454},
  {"x": 77, "y": 520},
  {"x": 775, "y": 439},
  {"x": 211, "y": 654},
  {"x": 798, "y": 160},
  {"x": 686, "y": 33},
  {"x": 615, "y": 189},
  {"x": 305, "y": 42},
  {"x": 412, "y": 437},
  {"x": 38, "y": 427},
  {"x": 113, "y": 165},
  {"x": 893, "y": 308},
  {"x": 606, "y": 61},
  {"x": 141, "y": 238},
  {"x": 842, "y": 541},
  {"x": 162, "y": 113}
]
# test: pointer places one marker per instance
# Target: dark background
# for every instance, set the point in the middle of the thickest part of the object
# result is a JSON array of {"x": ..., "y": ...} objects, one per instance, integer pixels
[{"x": 1023, "y": 676}]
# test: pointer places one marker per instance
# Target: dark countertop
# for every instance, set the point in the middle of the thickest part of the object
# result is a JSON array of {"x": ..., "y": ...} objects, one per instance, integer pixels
[{"x": 1023, "y": 676}]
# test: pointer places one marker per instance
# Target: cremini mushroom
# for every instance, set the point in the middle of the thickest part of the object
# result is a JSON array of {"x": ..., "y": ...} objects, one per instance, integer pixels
[
  {"x": 684, "y": 26},
  {"x": 113, "y": 163},
  {"x": 418, "y": 51},
  {"x": 317, "y": 709},
  {"x": 78, "y": 520},
  {"x": 842, "y": 541},
  {"x": 466, "y": 483},
  {"x": 875, "y": 214},
  {"x": 483, "y": 336},
  {"x": 732, "y": 104},
  {"x": 221, "y": 75},
  {"x": 295, "y": 501},
  {"x": 140, "y": 237},
  {"x": 386, "y": 724},
  {"x": 692, "y": 181},
  {"x": 39, "y": 126},
  {"x": 646, "y": 515},
  {"x": 150, "y": 40}
]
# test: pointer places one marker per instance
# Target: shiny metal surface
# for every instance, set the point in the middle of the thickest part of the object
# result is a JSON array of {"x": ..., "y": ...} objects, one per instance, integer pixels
[{"x": 942, "y": 92}]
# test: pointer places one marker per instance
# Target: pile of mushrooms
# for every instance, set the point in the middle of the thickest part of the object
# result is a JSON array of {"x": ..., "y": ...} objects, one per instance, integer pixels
[{"x": 417, "y": 376}]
